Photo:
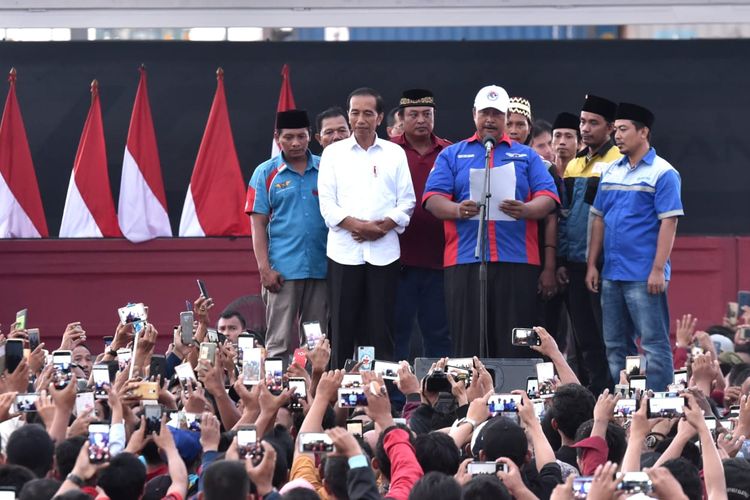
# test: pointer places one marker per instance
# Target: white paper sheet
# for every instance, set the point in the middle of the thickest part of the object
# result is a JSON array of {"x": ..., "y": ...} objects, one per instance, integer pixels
[{"x": 502, "y": 187}]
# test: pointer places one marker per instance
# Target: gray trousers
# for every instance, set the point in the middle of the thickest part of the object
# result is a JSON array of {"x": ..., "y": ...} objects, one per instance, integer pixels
[{"x": 297, "y": 302}]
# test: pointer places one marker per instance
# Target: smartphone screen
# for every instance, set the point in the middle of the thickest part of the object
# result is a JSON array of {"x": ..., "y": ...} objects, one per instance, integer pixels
[
  {"x": 13, "y": 354},
  {"x": 633, "y": 365},
  {"x": 298, "y": 385},
  {"x": 21, "y": 317},
  {"x": 532, "y": 387},
  {"x": 123, "y": 358},
  {"x": 315, "y": 442},
  {"x": 34, "y": 338},
  {"x": 184, "y": 372},
  {"x": 313, "y": 333},
  {"x": 251, "y": 360},
  {"x": 582, "y": 486},
  {"x": 62, "y": 361},
  {"x": 545, "y": 372},
  {"x": 625, "y": 408},
  {"x": 666, "y": 407},
  {"x": 638, "y": 383},
  {"x": 274, "y": 368},
  {"x": 101, "y": 380},
  {"x": 504, "y": 403},
  {"x": 351, "y": 380},
  {"x": 26, "y": 402},
  {"x": 98, "y": 443},
  {"x": 247, "y": 440},
  {"x": 152, "y": 413},
  {"x": 208, "y": 352},
  {"x": 525, "y": 337},
  {"x": 681, "y": 378},
  {"x": 355, "y": 427},
  {"x": 477, "y": 468},
  {"x": 84, "y": 402},
  {"x": 365, "y": 356},
  {"x": 387, "y": 369},
  {"x": 352, "y": 397}
]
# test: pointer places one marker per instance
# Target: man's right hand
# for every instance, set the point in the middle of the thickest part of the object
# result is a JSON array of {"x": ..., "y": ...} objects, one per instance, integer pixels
[
  {"x": 367, "y": 231},
  {"x": 466, "y": 209},
  {"x": 592, "y": 279},
  {"x": 562, "y": 276},
  {"x": 271, "y": 280}
]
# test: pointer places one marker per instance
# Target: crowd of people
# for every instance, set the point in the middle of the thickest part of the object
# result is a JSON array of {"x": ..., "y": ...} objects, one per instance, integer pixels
[{"x": 354, "y": 248}]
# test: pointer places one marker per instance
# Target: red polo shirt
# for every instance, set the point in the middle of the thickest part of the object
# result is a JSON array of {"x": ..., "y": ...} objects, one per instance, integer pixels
[{"x": 423, "y": 241}]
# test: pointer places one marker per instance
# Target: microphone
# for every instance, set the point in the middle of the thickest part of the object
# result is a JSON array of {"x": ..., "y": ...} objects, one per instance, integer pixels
[{"x": 489, "y": 142}]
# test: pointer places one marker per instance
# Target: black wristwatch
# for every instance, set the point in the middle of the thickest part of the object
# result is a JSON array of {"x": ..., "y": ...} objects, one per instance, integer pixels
[{"x": 75, "y": 479}]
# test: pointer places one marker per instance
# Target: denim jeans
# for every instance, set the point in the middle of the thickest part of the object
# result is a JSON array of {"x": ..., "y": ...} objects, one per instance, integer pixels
[
  {"x": 420, "y": 295},
  {"x": 630, "y": 312}
]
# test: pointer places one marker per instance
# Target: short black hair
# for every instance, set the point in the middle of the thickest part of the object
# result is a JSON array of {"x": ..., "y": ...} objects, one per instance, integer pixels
[
  {"x": 15, "y": 475},
  {"x": 616, "y": 440},
  {"x": 485, "y": 487},
  {"x": 738, "y": 374},
  {"x": 300, "y": 494},
  {"x": 39, "y": 489},
  {"x": 31, "y": 446},
  {"x": 390, "y": 118},
  {"x": 690, "y": 451},
  {"x": 73, "y": 495},
  {"x": 540, "y": 127},
  {"x": 436, "y": 451},
  {"x": 331, "y": 112},
  {"x": 66, "y": 454},
  {"x": 225, "y": 480},
  {"x": 687, "y": 475},
  {"x": 502, "y": 437},
  {"x": 367, "y": 91},
  {"x": 334, "y": 473},
  {"x": 436, "y": 485},
  {"x": 571, "y": 405},
  {"x": 381, "y": 455},
  {"x": 124, "y": 477},
  {"x": 230, "y": 313}
]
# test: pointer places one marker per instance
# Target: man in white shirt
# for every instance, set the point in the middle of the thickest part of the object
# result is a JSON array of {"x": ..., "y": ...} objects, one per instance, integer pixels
[{"x": 366, "y": 198}]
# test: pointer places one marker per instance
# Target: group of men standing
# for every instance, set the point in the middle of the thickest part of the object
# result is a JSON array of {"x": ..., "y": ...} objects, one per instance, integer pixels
[{"x": 377, "y": 233}]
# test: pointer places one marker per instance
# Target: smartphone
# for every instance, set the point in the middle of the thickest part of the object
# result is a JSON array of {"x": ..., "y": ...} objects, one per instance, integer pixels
[
  {"x": 734, "y": 411},
  {"x": 540, "y": 408},
  {"x": 532, "y": 387},
  {"x": 21, "y": 317},
  {"x": 186, "y": 327},
  {"x": 744, "y": 332},
  {"x": 681, "y": 378},
  {"x": 479, "y": 468},
  {"x": 147, "y": 391},
  {"x": 623, "y": 390},
  {"x": 696, "y": 350},
  {"x": 208, "y": 352},
  {"x": 365, "y": 356},
  {"x": 355, "y": 427},
  {"x": 349, "y": 365},
  {"x": 123, "y": 357},
  {"x": 34, "y": 338},
  {"x": 107, "y": 342},
  {"x": 582, "y": 486},
  {"x": 315, "y": 442},
  {"x": 157, "y": 367},
  {"x": 13, "y": 354},
  {"x": 300, "y": 357},
  {"x": 525, "y": 337},
  {"x": 635, "y": 482},
  {"x": 638, "y": 383},
  {"x": 625, "y": 408},
  {"x": 98, "y": 443},
  {"x": 244, "y": 342},
  {"x": 152, "y": 413},
  {"x": 743, "y": 299},
  {"x": 733, "y": 312},
  {"x": 351, "y": 380},
  {"x": 465, "y": 363},
  {"x": 387, "y": 369},
  {"x": 7, "y": 493},
  {"x": 633, "y": 365},
  {"x": 2, "y": 358},
  {"x": 499, "y": 403},
  {"x": 313, "y": 333},
  {"x": 274, "y": 368},
  {"x": 247, "y": 440},
  {"x": 101, "y": 380},
  {"x": 131, "y": 314},
  {"x": 671, "y": 407},
  {"x": 727, "y": 424},
  {"x": 84, "y": 402},
  {"x": 184, "y": 372},
  {"x": 711, "y": 424},
  {"x": 251, "y": 360},
  {"x": 545, "y": 372},
  {"x": 352, "y": 397},
  {"x": 299, "y": 386},
  {"x": 202, "y": 289},
  {"x": 26, "y": 402},
  {"x": 62, "y": 360}
]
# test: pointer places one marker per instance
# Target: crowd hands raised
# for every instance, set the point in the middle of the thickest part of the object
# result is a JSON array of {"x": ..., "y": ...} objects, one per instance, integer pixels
[{"x": 191, "y": 424}]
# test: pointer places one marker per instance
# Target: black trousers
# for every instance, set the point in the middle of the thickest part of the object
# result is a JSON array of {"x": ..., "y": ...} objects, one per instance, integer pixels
[
  {"x": 585, "y": 311},
  {"x": 361, "y": 300},
  {"x": 511, "y": 303}
]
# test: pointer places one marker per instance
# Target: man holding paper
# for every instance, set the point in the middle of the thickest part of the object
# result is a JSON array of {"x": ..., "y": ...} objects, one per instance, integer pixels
[{"x": 522, "y": 192}]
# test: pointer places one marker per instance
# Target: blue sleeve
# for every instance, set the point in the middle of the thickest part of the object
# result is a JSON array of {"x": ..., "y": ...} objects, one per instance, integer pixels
[
  {"x": 667, "y": 200},
  {"x": 208, "y": 458},
  {"x": 260, "y": 203},
  {"x": 172, "y": 361},
  {"x": 541, "y": 182},
  {"x": 442, "y": 176}
]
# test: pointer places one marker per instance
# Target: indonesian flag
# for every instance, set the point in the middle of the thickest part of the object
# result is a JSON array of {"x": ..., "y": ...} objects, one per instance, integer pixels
[
  {"x": 286, "y": 102},
  {"x": 89, "y": 210},
  {"x": 215, "y": 201},
  {"x": 21, "y": 212},
  {"x": 142, "y": 210}
]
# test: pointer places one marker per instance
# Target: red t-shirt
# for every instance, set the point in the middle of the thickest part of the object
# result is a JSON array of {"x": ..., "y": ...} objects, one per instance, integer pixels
[{"x": 423, "y": 241}]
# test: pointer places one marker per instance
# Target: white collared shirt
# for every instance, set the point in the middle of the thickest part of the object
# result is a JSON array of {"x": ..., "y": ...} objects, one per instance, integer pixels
[{"x": 365, "y": 184}]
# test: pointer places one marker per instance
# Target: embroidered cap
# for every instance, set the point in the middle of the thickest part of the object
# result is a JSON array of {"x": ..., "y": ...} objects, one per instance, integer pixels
[
  {"x": 416, "y": 97},
  {"x": 492, "y": 96},
  {"x": 521, "y": 106}
]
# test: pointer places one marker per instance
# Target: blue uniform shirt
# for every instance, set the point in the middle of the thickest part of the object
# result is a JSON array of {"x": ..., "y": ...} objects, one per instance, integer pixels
[
  {"x": 296, "y": 230},
  {"x": 632, "y": 202},
  {"x": 508, "y": 241}
]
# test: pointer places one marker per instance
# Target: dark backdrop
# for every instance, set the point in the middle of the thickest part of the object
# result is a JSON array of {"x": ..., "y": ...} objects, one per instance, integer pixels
[{"x": 697, "y": 89}]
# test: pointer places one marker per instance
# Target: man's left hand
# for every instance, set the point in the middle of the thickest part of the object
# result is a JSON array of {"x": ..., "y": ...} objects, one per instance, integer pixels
[
  {"x": 514, "y": 208},
  {"x": 656, "y": 282}
]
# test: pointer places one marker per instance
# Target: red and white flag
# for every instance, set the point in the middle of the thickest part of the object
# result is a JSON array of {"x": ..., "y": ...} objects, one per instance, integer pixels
[
  {"x": 142, "y": 209},
  {"x": 215, "y": 201},
  {"x": 286, "y": 102},
  {"x": 89, "y": 210},
  {"x": 21, "y": 212}
]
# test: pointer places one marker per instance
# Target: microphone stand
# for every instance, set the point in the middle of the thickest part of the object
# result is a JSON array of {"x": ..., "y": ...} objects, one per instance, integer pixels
[{"x": 480, "y": 252}]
